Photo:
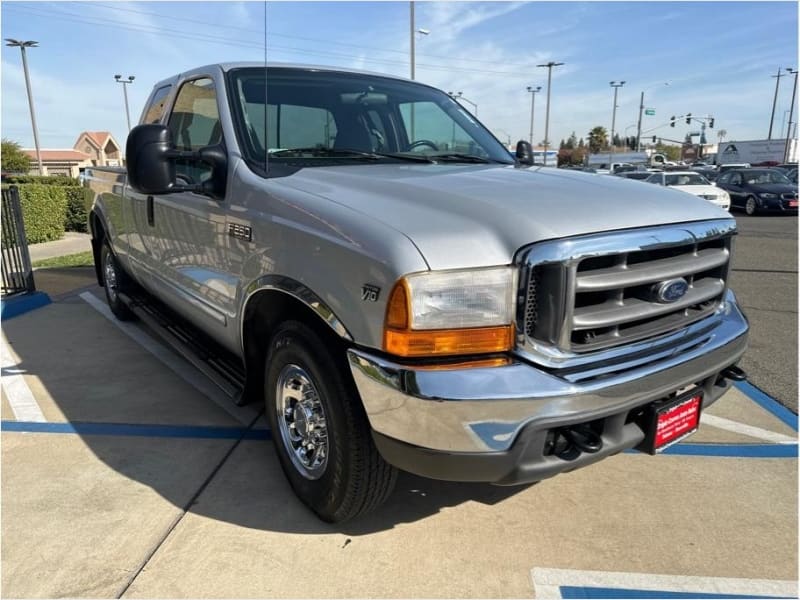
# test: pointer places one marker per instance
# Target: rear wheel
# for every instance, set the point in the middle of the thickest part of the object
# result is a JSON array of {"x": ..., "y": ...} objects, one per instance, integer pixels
[
  {"x": 319, "y": 428},
  {"x": 751, "y": 206},
  {"x": 114, "y": 281}
]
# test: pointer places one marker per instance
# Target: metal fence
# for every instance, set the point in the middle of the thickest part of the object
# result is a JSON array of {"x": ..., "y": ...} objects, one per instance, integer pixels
[{"x": 16, "y": 261}]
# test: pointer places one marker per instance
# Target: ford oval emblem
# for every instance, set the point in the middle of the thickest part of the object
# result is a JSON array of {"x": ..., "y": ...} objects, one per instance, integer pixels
[{"x": 671, "y": 290}]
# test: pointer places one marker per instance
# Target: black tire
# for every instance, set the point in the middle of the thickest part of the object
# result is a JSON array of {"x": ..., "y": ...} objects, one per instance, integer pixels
[
  {"x": 354, "y": 478},
  {"x": 115, "y": 280},
  {"x": 751, "y": 206}
]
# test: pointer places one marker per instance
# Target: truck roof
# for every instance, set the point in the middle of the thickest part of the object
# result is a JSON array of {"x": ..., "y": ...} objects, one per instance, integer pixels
[{"x": 227, "y": 66}]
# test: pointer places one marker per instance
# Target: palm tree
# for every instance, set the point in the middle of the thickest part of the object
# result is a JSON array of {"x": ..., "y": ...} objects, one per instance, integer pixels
[
  {"x": 598, "y": 139},
  {"x": 721, "y": 134}
]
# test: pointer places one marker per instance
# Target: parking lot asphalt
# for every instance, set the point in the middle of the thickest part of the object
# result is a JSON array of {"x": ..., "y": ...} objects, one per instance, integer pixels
[
  {"x": 136, "y": 479},
  {"x": 765, "y": 281}
]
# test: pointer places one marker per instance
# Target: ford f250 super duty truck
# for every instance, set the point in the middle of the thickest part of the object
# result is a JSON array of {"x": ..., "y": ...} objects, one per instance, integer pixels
[{"x": 401, "y": 293}]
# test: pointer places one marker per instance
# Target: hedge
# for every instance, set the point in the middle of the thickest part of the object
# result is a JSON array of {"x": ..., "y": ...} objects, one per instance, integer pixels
[
  {"x": 79, "y": 202},
  {"x": 44, "y": 208},
  {"x": 59, "y": 180}
]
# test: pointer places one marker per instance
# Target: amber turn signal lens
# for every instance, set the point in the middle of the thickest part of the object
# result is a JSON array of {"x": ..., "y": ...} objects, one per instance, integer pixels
[
  {"x": 397, "y": 312},
  {"x": 453, "y": 342}
]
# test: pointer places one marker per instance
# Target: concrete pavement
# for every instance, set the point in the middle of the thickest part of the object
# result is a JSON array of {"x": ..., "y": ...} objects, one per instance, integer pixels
[
  {"x": 141, "y": 485},
  {"x": 71, "y": 243}
]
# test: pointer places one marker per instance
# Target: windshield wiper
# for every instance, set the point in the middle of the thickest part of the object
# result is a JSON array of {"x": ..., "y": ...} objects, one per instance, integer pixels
[
  {"x": 458, "y": 157},
  {"x": 317, "y": 151},
  {"x": 347, "y": 153}
]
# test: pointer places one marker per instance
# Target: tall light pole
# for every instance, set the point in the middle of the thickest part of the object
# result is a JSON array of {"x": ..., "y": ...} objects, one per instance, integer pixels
[
  {"x": 774, "y": 101},
  {"x": 460, "y": 96},
  {"x": 549, "y": 66},
  {"x": 641, "y": 108},
  {"x": 414, "y": 31},
  {"x": 22, "y": 45},
  {"x": 533, "y": 91},
  {"x": 616, "y": 85},
  {"x": 791, "y": 114},
  {"x": 125, "y": 83}
]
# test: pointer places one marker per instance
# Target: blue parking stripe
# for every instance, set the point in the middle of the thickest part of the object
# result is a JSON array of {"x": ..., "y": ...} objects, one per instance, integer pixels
[
  {"x": 136, "y": 430},
  {"x": 735, "y": 450},
  {"x": 767, "y": 403},
  {"x": 569, "y": 592}
]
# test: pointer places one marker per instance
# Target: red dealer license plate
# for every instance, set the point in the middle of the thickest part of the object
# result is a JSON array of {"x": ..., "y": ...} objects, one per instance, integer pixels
[
  {"x": 668, "y": 422},
  {"x": 793, "y": 203}
]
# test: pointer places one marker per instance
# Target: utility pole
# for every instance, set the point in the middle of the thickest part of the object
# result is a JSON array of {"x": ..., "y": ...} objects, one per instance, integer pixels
[
  {"x": 533, "y": 91},
  {"x": 639, "y": 125},
  {"x": 460, "y": 96},
  {"x": 774, "y": 101},
  {"x": 125, "y": 83},
  {"x": 791, "y": 114},
  {"x": 616, "y": 85},
  {"x": 549, "y": 66},
  {"x": 22, "y": 45},
  {"x": 411, "y": 8}
]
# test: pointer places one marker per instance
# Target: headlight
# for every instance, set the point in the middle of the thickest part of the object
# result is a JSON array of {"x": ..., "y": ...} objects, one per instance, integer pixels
[
  {"x": 766, "y": 195},
  {"x": 451, "y": 313}
]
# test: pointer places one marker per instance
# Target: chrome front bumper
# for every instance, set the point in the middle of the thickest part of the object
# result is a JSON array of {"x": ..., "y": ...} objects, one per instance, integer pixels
[{"x": 483, "y": 410}]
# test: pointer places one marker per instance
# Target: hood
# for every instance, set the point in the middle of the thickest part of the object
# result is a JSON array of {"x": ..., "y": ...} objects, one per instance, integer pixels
[
  {"x": 772, "y": 188},
  {"x": 468, "y": 215},
  {"x": 700, "y": 190}
]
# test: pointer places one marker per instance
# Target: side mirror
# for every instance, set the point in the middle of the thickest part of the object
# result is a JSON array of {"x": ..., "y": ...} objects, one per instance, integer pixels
[
  {"x": 524, "y": 153},
  {"x": 149, "y": 169},
  {"x": 151, "y": 163}
]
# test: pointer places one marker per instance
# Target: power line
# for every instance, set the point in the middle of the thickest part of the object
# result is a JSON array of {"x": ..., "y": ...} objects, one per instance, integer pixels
[
  {"x": 299, "y": 37},
  {"x": 227, "y": 42}
]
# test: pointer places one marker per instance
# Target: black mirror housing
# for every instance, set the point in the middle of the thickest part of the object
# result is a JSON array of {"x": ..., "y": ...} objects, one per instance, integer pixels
[
  {"x": 524, "y": 153},
  {"x": 150, "y": 171}
]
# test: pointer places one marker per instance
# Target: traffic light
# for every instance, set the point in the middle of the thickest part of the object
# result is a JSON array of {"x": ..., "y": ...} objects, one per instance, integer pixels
[
  {"x": 672, "y": 121},
  {"x": 654, "y": 139},
  {"x": 689, "y": 119},
  {"x": 711, "y": 122}
]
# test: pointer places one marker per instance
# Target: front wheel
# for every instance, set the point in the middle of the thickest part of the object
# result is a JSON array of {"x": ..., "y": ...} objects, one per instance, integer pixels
[
  {"x": 751, "y": 206},
  {"x": 319, "y": 429}
]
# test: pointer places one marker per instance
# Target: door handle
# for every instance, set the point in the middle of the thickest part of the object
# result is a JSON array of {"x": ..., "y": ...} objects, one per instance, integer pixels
[{"x": 150, "y": 212}]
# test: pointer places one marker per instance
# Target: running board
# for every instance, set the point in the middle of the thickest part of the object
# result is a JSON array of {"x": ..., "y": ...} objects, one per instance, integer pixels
[{"x": 219, "y": 366}]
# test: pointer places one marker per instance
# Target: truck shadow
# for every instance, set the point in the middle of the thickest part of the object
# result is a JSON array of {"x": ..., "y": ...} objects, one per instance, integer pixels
[{"x": 61, "y": 346}]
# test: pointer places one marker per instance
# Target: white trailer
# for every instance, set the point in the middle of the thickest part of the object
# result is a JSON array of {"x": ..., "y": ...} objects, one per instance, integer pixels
[{"x": 756, "y": 152}]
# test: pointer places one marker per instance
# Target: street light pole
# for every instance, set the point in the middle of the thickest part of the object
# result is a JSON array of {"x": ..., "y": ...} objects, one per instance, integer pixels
[
  {"x": 413, "y": 31},
  {"x": 22, "y": 45},
  {"x": 791, "y": 114},
  {"x": 639, "y": 125},
  {"x": 616, "y": 85},
  {"x": 533, "y": 91},
  {"x": 125, "y": 83},
  {"x": 549, "y": 66},
  {"x": 774, "y": 101},
  {"x": 460, "y": 96}
]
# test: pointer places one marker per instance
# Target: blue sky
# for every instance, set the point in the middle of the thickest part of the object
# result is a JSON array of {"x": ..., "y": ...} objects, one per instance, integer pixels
[{"x": 717, "y": 56}]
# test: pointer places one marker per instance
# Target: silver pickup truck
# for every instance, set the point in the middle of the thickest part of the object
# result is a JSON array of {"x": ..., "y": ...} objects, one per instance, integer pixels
[{"x": 403, "y": 293}]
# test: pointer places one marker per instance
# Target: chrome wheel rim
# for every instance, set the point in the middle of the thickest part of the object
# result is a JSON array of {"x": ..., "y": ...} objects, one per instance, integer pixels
[
  {"x": 750, "y": 206},
  {"x": 301, "y": 421},
  {"x": 111, "y": 277}
]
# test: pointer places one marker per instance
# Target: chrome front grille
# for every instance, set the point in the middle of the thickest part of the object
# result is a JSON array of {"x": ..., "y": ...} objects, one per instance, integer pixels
[{"x": 592, "y": 293}]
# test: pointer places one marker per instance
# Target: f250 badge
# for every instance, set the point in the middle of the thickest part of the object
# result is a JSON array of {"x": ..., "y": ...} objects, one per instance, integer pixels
[{"x": 370, "y": 293}]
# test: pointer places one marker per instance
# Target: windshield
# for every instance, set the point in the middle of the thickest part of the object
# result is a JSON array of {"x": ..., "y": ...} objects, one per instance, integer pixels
[
  {"x": 685, "y": 179},
  {"x": 761, "y": 177},
  {"x": 320, "y": 118}
]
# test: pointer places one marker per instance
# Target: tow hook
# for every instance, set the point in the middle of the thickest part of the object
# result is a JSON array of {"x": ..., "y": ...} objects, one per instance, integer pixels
[
  {"x": 569, "y": 442},
  {"x": 734, "y": 373}
]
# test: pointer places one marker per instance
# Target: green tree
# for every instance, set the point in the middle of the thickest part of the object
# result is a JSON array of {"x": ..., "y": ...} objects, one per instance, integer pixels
[
  {"x": 598, "y": 139},
  {"x": 581, "y": 143},
  {"x": 572, "y": 141},
  {"x": 13, "y": 159},
  {"x": 671, "y": 152},
  {"x": 562, "y": 145}
]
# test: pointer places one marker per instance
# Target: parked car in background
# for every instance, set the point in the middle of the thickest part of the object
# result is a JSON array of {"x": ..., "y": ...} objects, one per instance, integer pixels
[
  {"x": 732, "y": 166},
  {"x": 693, "y": 183},
  {"x": 759, "y": 190},
  {"x": 640, "y": 175}
]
